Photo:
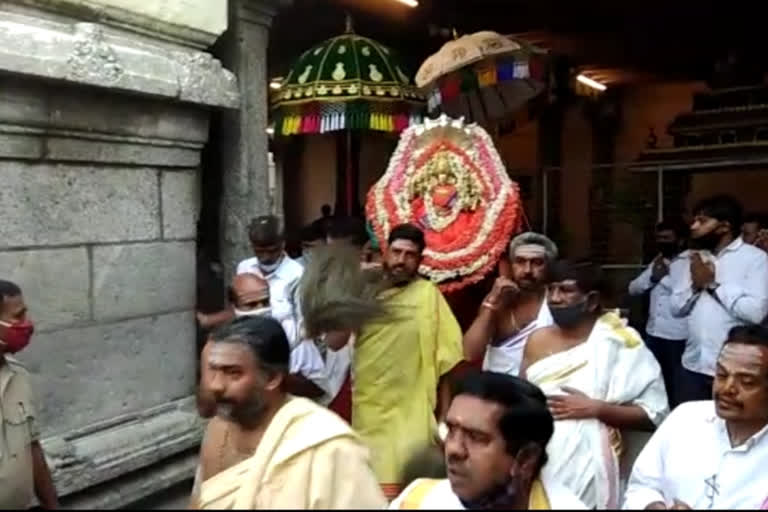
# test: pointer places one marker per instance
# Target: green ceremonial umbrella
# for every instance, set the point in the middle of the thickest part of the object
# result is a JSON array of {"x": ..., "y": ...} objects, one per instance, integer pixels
[{"x": 347, "y": 83}]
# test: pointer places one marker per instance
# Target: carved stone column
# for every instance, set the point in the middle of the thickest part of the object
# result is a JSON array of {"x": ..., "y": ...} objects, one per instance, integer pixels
[
  {"x": 104, "y": 111},
  {"x": 244, "y": 141}
]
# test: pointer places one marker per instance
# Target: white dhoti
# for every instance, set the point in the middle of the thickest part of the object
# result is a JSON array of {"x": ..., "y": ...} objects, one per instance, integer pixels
[{"x": 614, "y": 366}]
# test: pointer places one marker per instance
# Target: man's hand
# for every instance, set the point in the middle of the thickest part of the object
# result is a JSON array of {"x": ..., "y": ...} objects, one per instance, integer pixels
[
  {"x": 204, "y": 320},
  {"x": 573, "y": 406},
  {"x": 503, "y": 289},
  {"x": 702, "y": 274},
  {"x": 762, "y": 240},
  {"x": 660, "y": 269}
]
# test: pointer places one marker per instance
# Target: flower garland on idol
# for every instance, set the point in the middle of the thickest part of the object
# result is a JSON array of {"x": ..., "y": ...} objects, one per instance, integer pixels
[{"x": 447, "y": 177}]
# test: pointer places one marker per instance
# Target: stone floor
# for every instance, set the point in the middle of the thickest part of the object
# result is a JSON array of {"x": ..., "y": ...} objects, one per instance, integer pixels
[{"x": 175, "y": 498}]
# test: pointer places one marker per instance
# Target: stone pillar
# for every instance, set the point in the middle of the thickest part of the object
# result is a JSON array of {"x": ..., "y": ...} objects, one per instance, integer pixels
[
  {"x": 244, "y": 141},
  {"x": 104, "y": 110}
]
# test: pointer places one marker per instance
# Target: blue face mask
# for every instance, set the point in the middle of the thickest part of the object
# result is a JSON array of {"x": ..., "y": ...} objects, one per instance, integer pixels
[{"x": 268, "y": 269}]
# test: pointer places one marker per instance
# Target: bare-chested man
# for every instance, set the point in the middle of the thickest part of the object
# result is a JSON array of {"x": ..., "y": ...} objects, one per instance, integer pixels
[
  {"x": 266, "y": 449},
  {"x": 599, "y": 378},
  {"x": 515, "y": 308}
]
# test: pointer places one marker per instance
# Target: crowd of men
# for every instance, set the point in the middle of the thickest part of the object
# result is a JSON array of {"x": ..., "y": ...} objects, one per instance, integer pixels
[{"x": 568, "y": 406}]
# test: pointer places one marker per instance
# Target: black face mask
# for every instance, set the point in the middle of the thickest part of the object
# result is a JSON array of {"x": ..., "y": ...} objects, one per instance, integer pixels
[
  {"x": 708, "y": 242},
  {"x": 502, "y": 497},
  {"x": 569, "y": 316},
  {"x": 668, "y": 249}
]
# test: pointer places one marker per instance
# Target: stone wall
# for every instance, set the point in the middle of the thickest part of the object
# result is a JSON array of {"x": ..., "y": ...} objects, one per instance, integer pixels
[{"x": 101, "y": 129}]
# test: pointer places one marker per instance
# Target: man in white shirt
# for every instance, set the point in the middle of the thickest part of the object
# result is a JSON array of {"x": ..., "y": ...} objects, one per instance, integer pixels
[
  {"x": 272, "y": 263},
  {"x": 515, "y": 308},
  {"x": 498, "y": 427},
  {"x": 282, "y": 274},
  {"x": 713, "y": 454},
  {"x": 665, "y": 334},
  {"x": 725, "y": 285}
]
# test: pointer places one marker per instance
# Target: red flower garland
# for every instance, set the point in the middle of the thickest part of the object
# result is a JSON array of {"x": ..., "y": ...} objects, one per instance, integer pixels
[{"x": 451, "y": 271}]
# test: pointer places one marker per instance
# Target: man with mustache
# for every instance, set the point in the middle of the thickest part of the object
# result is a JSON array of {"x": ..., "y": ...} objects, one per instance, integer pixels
[
  {"x": 249, "y": 296},
  {"x": 495, "y": 447},
  {"x": 266, "y": 449},
  {"x": 713, "y": 454},
  {"x": 725, "y": 285},
  {"x": 514, "y": 308},
  {"x": 400, "y": 366},
  {"x": 24, "y": 472},
  {"x": 665, "y": 334},
  {"x": 599, "y": 378}
]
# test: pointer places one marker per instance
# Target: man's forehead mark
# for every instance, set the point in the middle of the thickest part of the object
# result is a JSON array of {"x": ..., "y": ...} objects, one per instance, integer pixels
[
  {"x": 226, "y": 353},
  {"x": 530, "y": 251},
  {"x": 752, "y": 357}
]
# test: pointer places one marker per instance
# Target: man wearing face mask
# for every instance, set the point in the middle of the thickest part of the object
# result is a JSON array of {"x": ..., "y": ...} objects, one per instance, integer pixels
[
  {"x": 266, "y": 449},
  {"x": 281, "y": 272},
  {"x": 312, "y": 236},
  {"x": 665, "y": 334},
  {"x": 599, "y": 378},
  {"x": 495, "y": 448},
  {"x": 725, "y": 285},
  {"x": 249, "y": 296},
  {"x": 24, "y": 472}
]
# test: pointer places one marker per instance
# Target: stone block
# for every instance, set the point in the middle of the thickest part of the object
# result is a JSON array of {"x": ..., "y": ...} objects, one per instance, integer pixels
[
  {"x": 91, "y": 54},
  {"x": 22, "y": 101},
  {"x": 87, "y": 375},
  {"x": 55, "y": 283},
  {"x": 129, "y": 116},
  {"x": 44, "y": 204},
  {"x": 101, "y": 451},
  {"x": 65, "y": 147},
  {"x": 143, "y": 279},
  {"x": 20, "y": 145},
  {"x": 203, "y": 15},
  {"x": 180, "y": 204}
]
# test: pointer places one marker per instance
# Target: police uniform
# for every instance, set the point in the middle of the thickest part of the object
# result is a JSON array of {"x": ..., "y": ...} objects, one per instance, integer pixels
[{"x": 19, "y": 431}]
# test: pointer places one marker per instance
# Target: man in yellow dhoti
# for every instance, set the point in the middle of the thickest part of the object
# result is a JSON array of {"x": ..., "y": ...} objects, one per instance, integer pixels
[
  {"x": 400, "y": 364},
  {"x": 599, "y": 378},
  {"x": 498, "y": 430},
  {"x": 266, "y": 449}
]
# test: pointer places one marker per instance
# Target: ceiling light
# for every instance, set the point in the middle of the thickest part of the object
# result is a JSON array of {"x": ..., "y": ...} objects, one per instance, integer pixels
[
  {"x": 276, "y": 83},
  {"x": 409, "y": 3},
  {"x": 591, "y": 83},
  {"x": 270, "y": 131}
]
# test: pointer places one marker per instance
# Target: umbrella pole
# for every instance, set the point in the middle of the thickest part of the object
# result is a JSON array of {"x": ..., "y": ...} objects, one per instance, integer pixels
[{"x": 349, "y": 178}]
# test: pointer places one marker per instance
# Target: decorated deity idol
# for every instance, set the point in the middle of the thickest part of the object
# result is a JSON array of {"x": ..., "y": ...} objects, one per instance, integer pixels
[{"x": 447, "y": 177}]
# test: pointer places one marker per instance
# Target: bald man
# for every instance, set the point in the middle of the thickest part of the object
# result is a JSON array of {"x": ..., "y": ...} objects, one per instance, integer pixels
[{"x": 249, "y": 296}]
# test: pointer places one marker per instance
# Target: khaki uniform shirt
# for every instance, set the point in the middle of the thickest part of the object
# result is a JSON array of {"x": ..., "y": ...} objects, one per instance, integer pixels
[{"x": 17, "y": 432}]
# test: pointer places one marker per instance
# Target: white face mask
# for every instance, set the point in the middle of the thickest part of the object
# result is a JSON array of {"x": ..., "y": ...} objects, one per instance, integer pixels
[
  {"x": 268, "y": 269},
  {"x": 266, "y": 311}
]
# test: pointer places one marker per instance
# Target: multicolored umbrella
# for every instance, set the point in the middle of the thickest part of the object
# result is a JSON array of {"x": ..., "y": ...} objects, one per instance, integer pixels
[
  {"x": 348, "y": 82},
  {"x": 448, "y": 178},
  {"x": 483, "y": 77}
]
